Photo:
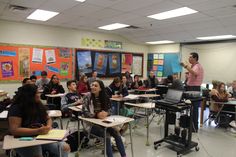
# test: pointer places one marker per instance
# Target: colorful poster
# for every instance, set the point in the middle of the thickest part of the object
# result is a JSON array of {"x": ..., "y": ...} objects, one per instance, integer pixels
[
  {"x": 161, "y": 56},
  {"x": 37, "y": 55},
  {"x": 64, "y": 52},
  {"x": 114, "y": 63},
  {"x": 159, "y": 74},
  {"x": 154, "y": 68},
  {"x": 113, "y": 44},
  {"x": 149, "y": 65},
  {"x": 155, "y": 62},
  {"x": 7, "y": 69},
  {"x": 88, "y": 42},
  {"x": 100, "y": 63},
  {"x": 52, "y": 69},
  {"x": 36, "y": 73},
  {"x": 50, "y": 56},
  {"x": 155, "y": 56},
  {"x": 7, "y": 53},
  {"x": 64, "y": 68},
  {"x": 160, "y": 68},
  {"x": 84, "y": 61},
  {"x": 24, "y": 62},
  {"x": 137, "y": 66},
  {"x": 150, "y": 56},
  {"x": 160, "y": 62},
  {"x": 127, "y": 61}
]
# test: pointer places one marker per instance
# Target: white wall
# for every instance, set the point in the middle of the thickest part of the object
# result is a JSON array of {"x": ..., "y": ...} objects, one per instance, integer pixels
[
  {"x": 167, "y": 48},
  {"x": 217, "y": 59},
  {"x": 33, "y": 34}
]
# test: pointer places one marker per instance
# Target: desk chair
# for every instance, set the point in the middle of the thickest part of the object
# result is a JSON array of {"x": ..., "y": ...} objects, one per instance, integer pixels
[{"x": 56, "y": 114}]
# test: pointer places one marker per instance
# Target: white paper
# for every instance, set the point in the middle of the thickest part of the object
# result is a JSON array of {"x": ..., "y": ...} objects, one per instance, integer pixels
[
  {"x": 37, "y": 55},
  {"x": 161, "y": 56},
  {"x": 148, "y": 105},
  {"x": 116, "y": 119},
  {"x": 137, "y": 65},
  {"x": 3, "y": 114},
  {"x": 131, "y": 96},
  {"x": 155, "y": 56},
  {"x": 50, "y": 56}
]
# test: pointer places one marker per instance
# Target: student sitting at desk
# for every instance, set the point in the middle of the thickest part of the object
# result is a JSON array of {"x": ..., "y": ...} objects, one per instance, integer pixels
[
  {"x": 43, "y": 81},
  {"x": 53, "y": 87},
  {"x": 152, "y": 81},
  {"x": 174, "y": 83},
  {"x": 220, "y": 95},
  {"x": 97, "y": 105},
  {"x": 72, "y": 98},
  {"x": 116, "y": 90},
  {"x": 129, "y": 79},
  {"x": 33, "y": 79},
  {"x": 137, "y": 83},
  {"x": 232, "y": 90},
  {"x": 28, "y": 117},
  {"x": 83, "y": 85}
]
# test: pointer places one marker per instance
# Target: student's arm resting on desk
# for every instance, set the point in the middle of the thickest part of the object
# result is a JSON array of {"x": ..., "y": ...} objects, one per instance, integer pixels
[
  {"x": 65, "y": 104},
  {"x": 16, "y": 129},
  {"x": 45, "y": 91},
  {"x": 217, "y": 99}
]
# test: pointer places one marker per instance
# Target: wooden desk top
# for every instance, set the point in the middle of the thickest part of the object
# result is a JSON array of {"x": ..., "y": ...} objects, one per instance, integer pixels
[
  {"x": 146, "y": 90},
  {"x": 11, "y": 143},
  {"x": 120, "y": 99},
  {"x": 148, "y": 105},
  {"x": 107, "y": 125},
  {"x": 55, "y": 95},
  {"x": 149, "y": 95}
]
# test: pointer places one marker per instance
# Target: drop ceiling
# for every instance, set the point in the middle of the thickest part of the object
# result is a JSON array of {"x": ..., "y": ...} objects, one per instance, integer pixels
[{"x": 215, "y": 17}]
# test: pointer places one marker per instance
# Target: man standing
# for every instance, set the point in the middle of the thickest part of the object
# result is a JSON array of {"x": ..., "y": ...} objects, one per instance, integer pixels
[{"x": 194, "y": 81}]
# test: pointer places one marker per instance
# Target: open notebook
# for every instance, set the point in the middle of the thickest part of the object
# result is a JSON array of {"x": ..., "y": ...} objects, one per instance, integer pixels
[
  {"x": 54, "y": 134},
  {"x": 116, "y": 119}
]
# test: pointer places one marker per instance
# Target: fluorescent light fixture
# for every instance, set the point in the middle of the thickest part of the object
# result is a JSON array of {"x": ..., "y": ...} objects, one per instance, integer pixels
[
  {"x": 173, "y": 13},
  {"x": 42, "y": 15},
  {"x": 216, "y": 37},
  {"x": 113, "y": 26},
  {"x": 160, "y": 42},
  {"x": 80, "y": 0}
]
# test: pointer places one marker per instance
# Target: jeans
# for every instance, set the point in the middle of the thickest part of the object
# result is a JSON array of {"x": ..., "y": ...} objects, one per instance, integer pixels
[
  {"x": 114, "y": 108},
  {"x": 52, "y": 148},
  {"x": 99, "y": 131}
]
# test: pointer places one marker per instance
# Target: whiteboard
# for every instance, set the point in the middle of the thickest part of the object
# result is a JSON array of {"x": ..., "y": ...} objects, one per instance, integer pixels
[{"x": 218, "y": 60}]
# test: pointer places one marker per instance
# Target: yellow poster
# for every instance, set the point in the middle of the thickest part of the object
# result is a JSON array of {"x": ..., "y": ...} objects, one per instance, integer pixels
[
  {"x": 87, "y": 42},
  {"x": 155, "y": 62}
]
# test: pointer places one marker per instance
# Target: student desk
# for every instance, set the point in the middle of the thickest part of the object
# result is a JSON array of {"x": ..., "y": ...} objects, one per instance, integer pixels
[
  {"x": 55, "y": 114},
  {"x": 12, "y": 143},
  {"x": 54, "y": 96},
  {"x": 105, "y": 126},
  {"x": 147, "y": 106},
  {"x": 3, "y": 95},
  {"x": 3, "y": 115},
  {"x": 150, "y": 90}
]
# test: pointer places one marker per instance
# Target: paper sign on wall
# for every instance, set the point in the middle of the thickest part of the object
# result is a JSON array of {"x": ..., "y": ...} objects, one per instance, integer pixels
[
  {"x": 37, "y": 55},
  {"x": 7, "y": 69},
  {"x": 161, "y": 56},
  {"x": 155, "y": 56},
  {"x": 155, "y": 62},
  {"x": 160, "y": 62},
  {"x": 50, "y": 56}
]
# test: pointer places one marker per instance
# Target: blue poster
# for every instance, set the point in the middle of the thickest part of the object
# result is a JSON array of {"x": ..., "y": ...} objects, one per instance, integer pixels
[
  {"x": 84, "y": 61},
  {"x": 114, "y": 63},
  {"x": 171, "y": 64},
  {"x": 100, "y": 63},
  {"x": 7, "y": 53},
  {"x": 37, "y": 73}
]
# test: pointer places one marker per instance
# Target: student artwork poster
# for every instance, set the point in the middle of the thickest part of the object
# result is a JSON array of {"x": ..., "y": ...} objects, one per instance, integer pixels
[
  {"x": 127, "y": 60},
  {"x": 114, "y": 63},
  {"x": 64, "y": 52},
  {"x": 100, "y": 63},
  {"x": 7, "y": 69},
  {"x": 24, "y": 62},
  {"x": 84, "y": 61}
]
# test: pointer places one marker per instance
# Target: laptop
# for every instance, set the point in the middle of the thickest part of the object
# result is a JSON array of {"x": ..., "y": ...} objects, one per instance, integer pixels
[{"x": 172, "y": 97}]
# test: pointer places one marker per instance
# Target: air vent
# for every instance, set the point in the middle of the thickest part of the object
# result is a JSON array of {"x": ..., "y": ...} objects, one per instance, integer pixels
[
  {"x": 133, "y": 27},
  {"x": 17, "y": 8}
]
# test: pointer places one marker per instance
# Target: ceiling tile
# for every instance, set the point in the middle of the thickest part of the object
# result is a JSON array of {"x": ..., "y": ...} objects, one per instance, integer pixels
[
  {"x": 28, "y": 3},
  {"x": 58, "y": 5},
  {"x": 105, "y": 13},
  {"x": 103, "y": 3}
]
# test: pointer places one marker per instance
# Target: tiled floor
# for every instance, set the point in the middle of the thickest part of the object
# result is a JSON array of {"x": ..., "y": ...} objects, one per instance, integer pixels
[{"x": 213, "y": 142}]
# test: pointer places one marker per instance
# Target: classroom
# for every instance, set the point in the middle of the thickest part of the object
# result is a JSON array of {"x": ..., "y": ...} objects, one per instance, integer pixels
[{"x": 125, "y": 78}]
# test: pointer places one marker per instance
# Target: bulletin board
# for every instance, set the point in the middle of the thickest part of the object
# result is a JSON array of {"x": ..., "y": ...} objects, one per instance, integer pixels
[
  {"x": 18, "y": 62},
  {"x": 108, "y": 63},
  {"x": 164, "y": 64}
]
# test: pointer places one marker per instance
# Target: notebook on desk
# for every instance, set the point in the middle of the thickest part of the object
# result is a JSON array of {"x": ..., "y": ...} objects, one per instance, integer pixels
[
  {"x": 172, "y": 97},
  {"x": 54, "y": 135}
]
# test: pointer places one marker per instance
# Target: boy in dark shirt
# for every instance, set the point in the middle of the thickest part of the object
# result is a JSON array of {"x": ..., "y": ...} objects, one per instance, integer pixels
[{"x": 72, "y": 98}]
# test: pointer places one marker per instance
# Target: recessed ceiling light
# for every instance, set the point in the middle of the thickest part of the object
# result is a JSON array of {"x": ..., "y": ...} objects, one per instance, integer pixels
[
  {"x": 173, "y": 13},
  {"x": 42, "y": 15},
  {"x": 160, "y": 42},
  {"x": 216, "y": 37},
  {"x": 80, "y": 0},
  {"x": 113, "y": 26}
]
